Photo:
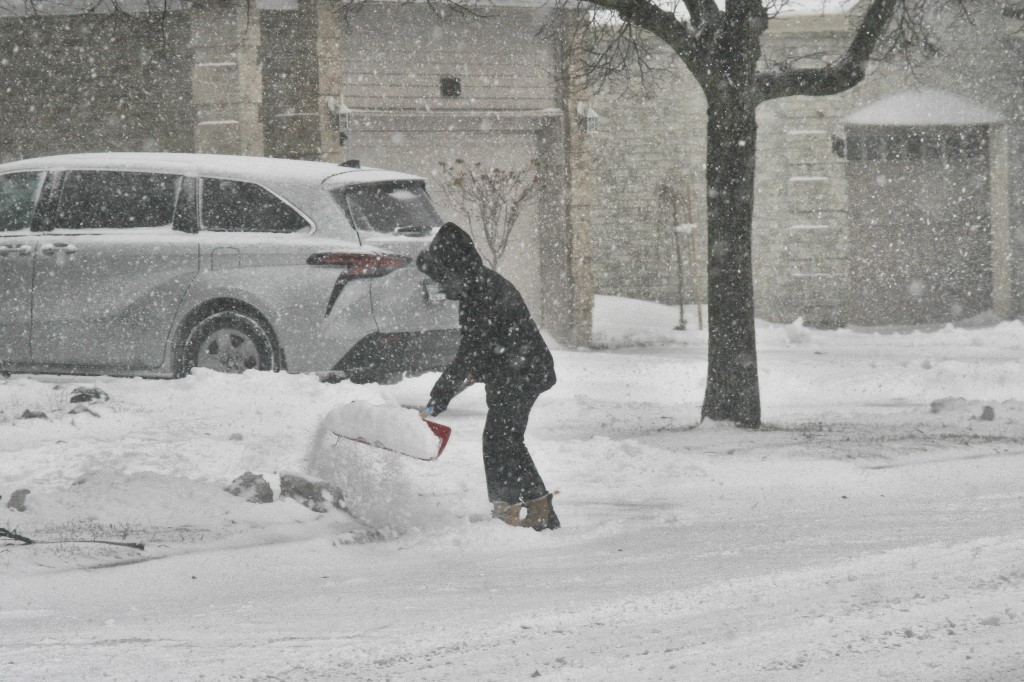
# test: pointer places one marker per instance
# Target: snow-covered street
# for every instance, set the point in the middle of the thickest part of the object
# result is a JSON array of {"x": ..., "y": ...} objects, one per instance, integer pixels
[{"x": 872, "y": 530}]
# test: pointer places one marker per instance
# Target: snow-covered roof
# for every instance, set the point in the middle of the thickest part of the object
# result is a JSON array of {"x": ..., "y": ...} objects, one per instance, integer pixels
[
  {"x": 923, "y": 108},
  {"x": 252, "y": 168}
]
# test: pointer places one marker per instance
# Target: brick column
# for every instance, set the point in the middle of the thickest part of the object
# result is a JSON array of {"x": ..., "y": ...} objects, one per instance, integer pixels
[
  {"x": 329, "y": 73},
  {"x": 553, "y": 234},
  {"x": 567, "y": 273},
  {"x": 579, "y": 156},
  {"x": 1002, "y": 241},
  {"x": 227, "y": 82}
]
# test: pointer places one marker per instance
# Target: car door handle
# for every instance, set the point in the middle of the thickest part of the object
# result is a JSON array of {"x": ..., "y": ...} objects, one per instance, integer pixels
[
  {"x": 19, "y": 249},
  {"x": 58, "y": 247}
]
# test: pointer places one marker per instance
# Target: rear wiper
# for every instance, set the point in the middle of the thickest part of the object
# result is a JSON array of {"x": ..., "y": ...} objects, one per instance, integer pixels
[{"x": 413, "y": 229}]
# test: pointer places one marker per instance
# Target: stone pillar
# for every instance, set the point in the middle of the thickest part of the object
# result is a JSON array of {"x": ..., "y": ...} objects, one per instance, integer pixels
[
  {"x": 1002, "y": 241},
  {"x": 329, "y": 94},
  {"x": 568, "y": 278},
  {"x": 580, "y": 266},
  {"x": 553, "y": 236},
  {"x": 227, "y": 82}
]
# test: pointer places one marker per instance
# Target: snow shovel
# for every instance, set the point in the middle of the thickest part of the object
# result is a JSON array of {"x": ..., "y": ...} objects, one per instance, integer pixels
[{"x": 397, "y": 430}]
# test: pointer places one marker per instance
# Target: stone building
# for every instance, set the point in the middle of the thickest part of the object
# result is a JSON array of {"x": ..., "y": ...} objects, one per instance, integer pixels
[
  {"x": 814, "y": 236},
  {"x": 410, "y": 86}
]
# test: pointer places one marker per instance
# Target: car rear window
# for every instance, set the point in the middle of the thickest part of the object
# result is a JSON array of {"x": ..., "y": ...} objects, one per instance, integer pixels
[
  {"x": 233, "y": 206},
  {"x": 116, "y": 199},
  {"x": 18, "y": 195},
  {"x": 402, "y": 207}
]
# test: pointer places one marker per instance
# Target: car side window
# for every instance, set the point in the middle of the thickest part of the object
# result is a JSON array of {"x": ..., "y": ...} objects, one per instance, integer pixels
[
  {"x": 233, "y": 206},
  {"x": 115, "y": 199},
  {"x": 19, "y": 193}
]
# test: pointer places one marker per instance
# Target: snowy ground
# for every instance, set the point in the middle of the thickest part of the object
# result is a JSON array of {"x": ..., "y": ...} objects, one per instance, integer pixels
[{"x": 872, "y": 530}]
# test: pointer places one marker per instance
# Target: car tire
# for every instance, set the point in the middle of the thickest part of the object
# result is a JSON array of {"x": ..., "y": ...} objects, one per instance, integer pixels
[{"x": 229, "y": 341}]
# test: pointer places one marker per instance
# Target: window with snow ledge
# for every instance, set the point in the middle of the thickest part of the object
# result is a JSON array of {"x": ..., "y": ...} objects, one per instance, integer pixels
[
  {"x": 934, "y": 143},
  {"x": 451, "y": 87}
]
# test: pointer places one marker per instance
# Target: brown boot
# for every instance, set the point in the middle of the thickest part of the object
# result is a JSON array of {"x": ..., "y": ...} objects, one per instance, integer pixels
[
  {"x": 540, "y": 514},
  {"x": 512, "y": 514}
]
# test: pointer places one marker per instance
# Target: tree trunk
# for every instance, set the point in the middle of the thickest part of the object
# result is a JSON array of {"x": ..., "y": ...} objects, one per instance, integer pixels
[{"x": 732, "y": 392}]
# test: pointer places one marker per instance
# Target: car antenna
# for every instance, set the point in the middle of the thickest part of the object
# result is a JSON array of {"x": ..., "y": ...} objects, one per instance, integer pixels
[{"x": 351, "y": 163}]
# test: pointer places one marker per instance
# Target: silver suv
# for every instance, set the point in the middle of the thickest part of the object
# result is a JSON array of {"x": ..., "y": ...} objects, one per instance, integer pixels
[{"x": 152, "y": 264}]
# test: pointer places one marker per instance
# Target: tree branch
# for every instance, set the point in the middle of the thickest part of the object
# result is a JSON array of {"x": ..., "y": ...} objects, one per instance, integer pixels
[
  {"x": 702, "y": 12},
  {"x": 831, "y": 80},
  {"x": 673, "y": 31}
]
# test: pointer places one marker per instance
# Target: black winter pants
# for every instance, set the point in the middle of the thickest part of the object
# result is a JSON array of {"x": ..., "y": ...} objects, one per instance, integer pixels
[{"x": 511, "y": 473}]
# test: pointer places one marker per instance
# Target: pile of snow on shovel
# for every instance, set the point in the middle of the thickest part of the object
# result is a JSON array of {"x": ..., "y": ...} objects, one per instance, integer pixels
[{"x": 371, "y": 452}]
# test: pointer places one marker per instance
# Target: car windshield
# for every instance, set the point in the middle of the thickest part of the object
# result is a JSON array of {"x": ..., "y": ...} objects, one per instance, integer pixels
[{"x": 396, "y": 207}]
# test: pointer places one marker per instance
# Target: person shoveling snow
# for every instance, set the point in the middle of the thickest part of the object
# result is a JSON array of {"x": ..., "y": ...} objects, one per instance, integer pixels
[
  {"x": 502, "y": 348},
  {"x": 367, "y": 451}
]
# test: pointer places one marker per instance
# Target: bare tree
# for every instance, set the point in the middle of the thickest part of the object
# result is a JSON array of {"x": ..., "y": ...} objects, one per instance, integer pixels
[
  {"x": 492, "y": 199},
  {"x": 721, "y": 47}
]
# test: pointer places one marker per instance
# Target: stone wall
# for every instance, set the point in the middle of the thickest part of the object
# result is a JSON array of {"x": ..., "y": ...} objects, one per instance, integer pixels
[
  {"x": 291, "y": 118},
  {"x": 396, "y": 55},
  {"x": 85, "y": 83},
  {"x": 646, "y": 142},
  {"x": 801, "y": 222},
  {"x": 800, "y": 217},
  {"x": 227, "y": 78},
  {"x": 649, "y": 177},
  {"x": 95, "y": 83},
  {"x": 506, "y": 114}
]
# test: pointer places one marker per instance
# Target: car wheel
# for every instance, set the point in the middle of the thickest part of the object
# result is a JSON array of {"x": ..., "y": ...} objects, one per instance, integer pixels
[{"x": 229, "y": 341}]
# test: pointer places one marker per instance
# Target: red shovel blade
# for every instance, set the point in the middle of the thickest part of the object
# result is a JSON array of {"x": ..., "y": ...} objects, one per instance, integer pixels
[{"x": 441, "y": 431}]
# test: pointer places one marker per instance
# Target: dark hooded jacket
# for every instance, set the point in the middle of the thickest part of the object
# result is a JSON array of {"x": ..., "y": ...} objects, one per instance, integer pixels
[{"x": 500, "y": 341}]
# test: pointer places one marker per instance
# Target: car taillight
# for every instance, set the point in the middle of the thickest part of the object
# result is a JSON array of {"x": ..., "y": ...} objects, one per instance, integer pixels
[{"x": 355, "y": 265}]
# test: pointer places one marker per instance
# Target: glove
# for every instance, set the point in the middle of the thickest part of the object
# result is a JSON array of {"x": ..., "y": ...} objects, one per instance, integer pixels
[{"x": 430, "y": 411}]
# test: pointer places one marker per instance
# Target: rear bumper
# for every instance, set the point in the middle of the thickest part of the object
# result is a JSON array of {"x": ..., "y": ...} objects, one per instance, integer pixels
[{"x": 378, "y": 356}]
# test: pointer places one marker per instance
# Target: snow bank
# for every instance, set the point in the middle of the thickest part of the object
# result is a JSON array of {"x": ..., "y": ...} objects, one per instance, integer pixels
[
  {"x": 869, "y": 531},
  {"x": 626, "y": 322},
  {"x": 168, "y": 514}
]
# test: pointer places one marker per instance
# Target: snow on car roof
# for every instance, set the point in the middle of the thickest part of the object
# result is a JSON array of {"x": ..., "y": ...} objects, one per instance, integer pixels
[{"x": 252, "y": 168}]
